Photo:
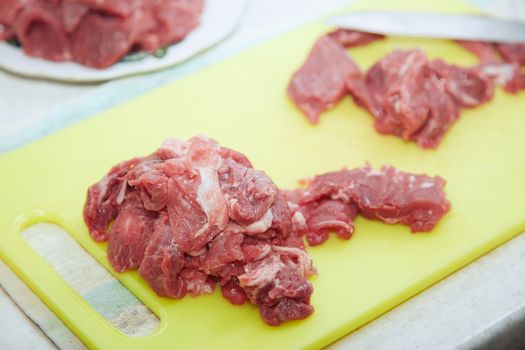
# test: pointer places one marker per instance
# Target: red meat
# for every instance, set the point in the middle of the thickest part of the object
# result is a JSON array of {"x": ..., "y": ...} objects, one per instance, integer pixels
[
  {"x": 320, "y": 82},
  {"x": 163, "y": 261},
  {"x": 418, "y": 99},
  {"x": 467, "y": 86},
  {"x": 194, "y": 214},
  {"x": 512, "y": 53},
  {"x": 175, "y": 19},
  {"x": 10, "y": 9},
  {"x": 72, "y": 14},
  {"x": 6, "y": 32},
  {"x": 96, "y": 33},
  {"x": 39, "y": 29},
  {"x": 122, "y": 8},
  {"x": 484, "y": 51},
  {"x": 388, "y": 195},
  {"x": 352, "y": 38},
  {"x": 129, "y": 234},
  {"x": 105, "y": 197},
  {"x": 100, "y": 40}
]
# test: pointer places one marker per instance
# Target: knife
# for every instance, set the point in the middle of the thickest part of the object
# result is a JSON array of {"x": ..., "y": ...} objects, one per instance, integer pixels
[{"x": 433, "y": 25}]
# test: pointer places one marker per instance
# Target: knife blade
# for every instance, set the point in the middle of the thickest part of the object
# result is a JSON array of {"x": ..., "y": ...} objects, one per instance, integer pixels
[{"x": 432, "y": 25}]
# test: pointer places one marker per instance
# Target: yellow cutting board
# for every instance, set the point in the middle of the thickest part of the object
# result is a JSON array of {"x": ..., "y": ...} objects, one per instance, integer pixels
[{"x": 242, "y": 103}]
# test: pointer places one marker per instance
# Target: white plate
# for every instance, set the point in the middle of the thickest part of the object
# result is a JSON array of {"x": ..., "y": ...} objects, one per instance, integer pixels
[{"x": 218, "y": 20}]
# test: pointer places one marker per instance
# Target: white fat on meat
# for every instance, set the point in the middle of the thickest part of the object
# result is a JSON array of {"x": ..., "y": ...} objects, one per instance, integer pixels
[
  {"x": 177, "y": 148},
  {"x": 211, "y": 200},
  {"x": 304, "y": 265},
  {"x": 122, "y": 192},
  {"x": 261, "y": 225},
  {"x": 298, "y": 220},
  {"x": 261, "y": 273}
]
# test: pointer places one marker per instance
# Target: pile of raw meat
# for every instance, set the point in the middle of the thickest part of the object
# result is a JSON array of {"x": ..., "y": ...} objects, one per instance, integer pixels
[
  {"x": 194, "y": 214},
  {"x": 409, "y": 95},
  {"x": 96, "y": 33}
]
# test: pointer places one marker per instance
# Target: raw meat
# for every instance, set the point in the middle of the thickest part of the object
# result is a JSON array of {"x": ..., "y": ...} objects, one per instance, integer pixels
[
  {"x": 6, "y": 32},
  {"x": 331, "y": 201},
  {"x": 484, "y": 51},
  {"x": 351, "y": 38},
  {"x": 96, "y": 33},
  {"x": 408, "y": 95},
  {"x": 467, "y": 86},
  {"x": 194, "y": 214},
  {"x": 39, "y": 30},
  {"x": 320, "y": 82},
  {"x": 512, "y": 53},
  {"x": 507, "y": 74},
  {"x": 413, "y": 98}
]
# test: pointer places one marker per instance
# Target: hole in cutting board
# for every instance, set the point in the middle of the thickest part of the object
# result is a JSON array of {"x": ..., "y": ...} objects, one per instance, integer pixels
[{"x": 89, "y": 279}]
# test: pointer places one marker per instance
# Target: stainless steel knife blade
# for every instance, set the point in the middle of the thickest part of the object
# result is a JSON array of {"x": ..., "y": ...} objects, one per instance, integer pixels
[{"x": 433, "y": 25}]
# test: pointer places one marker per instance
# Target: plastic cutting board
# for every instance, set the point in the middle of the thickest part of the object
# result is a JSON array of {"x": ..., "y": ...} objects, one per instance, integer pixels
[{"x": 241, "y": 102}]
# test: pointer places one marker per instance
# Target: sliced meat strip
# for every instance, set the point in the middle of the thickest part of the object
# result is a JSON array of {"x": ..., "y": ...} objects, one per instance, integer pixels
[
  {"x": 122, "y": 8},
  {"x": 6, "y": 32},
  {"x": 321, "y": 80},
  {"x": 443, "y": 112},
  {"x": 72, "y": 14},
  {"x": 248, "y": 193},
  {"x": 105, "y": 198},
  {"x": 163, "y": 261},
  {"x": 389, "y": 195},
  {"x": 352, "y": 38},
  {"x": 512, "y": 53},
  {"x": 151, "y": 183},
  {"x": 101, "y": 40},
  {"x": 467, "y": 86},
  {"x": 130, "y": 233},
  {"x": 39, "y": 29},
  {"x": 10, "y": 9},
  {"x": 484, "y": 51},
  {"x": 175, "y": 19}
]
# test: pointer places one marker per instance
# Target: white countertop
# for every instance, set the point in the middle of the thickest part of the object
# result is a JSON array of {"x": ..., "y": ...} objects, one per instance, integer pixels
[{"x": 472, "y": 308}]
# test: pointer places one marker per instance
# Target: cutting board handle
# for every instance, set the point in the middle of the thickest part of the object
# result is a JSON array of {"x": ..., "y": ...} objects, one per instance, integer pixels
[{"x": 66, "y": 303}]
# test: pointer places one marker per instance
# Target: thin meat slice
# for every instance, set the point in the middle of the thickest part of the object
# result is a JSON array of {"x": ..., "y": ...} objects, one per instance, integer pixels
[
  {"x": 483, "y": 50},
  {"x": 443, "y": 112},
  {"x": 512, "y": 53},
  {"x": 9, "y": 11},
  {"x": 467, "y": 86},
  {"x": 175, "y": 19},
  {"x": 249, "y": 193},
  {"x": 392, "y": 196},
  {"x": 417, "y": 99},
  {"x": 122, "y": 8},
  {"x": 388, "y": 195},
  {"x": 233, "y": 292},
  {"x": 130, "y": 234},
  {"x": 105, "y": 197},
  {"x": 72, "y": 14},
  {"x": 163, "y": 261},
  {"x": 508, "y": 75},
  {"x": 39, "y": 29},
  {"x": 101, "y": 40},
  {"x": 317, "y": 219},
  {"x": 6, "y": 32},
  {"x": 225, "y": 249},
  {"x": 397, "y": 84},
  {"x": 320, "y": 82},
  {"x": 196, "y": 205},
  {"x": 151, "y": 183},
  {"x": 278, "y": 284},
  {"x": 352, "y": 38}
]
